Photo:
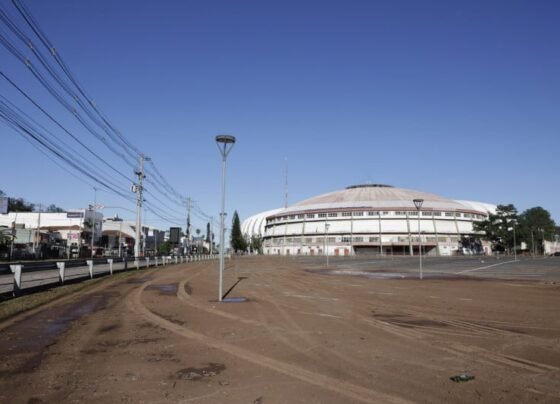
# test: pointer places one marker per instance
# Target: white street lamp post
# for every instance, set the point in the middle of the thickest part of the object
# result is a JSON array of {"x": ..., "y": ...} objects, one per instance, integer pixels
[
  {"x": 327, "y": 225},
  {"x": 225, "y": 144},
  {"x": 418, "y": 203}
]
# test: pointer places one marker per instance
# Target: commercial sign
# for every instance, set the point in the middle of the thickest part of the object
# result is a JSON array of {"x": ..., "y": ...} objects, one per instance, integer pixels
[{"x": 74, "y": 215}]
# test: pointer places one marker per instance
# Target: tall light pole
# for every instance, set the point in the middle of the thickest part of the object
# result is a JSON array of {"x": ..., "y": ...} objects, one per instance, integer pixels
[
  {"x": 533, "y": 243},
  {"x": 327, "y": 225},
  {"x": 513, "y": 223},
  {"x": 418, "y": 203},
  {"x": 225, "y": 144},
  {"x": 514, "y": 244}
]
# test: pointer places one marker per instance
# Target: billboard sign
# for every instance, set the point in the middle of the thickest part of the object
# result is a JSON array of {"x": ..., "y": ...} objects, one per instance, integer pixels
[
  {"x": 174, "y": 234},
  {"x": 74, "y": 215}
]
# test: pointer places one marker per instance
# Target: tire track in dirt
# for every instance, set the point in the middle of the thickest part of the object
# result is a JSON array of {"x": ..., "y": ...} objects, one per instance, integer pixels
[
  {"x": 359, "y": 393},
  {"x": 276, "y": 332},
  {"x": 423, "y": 333}
]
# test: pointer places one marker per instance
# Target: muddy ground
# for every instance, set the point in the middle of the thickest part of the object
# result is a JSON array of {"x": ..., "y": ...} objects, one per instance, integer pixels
[{"x": 297, "y": 334}]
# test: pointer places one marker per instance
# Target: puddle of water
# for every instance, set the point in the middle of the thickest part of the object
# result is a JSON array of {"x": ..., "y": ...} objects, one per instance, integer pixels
[
  {"x": 393, "y": 275},
  {"x": 235, "y": 300},
  {"x": 45, "y": 327},
  {"x": 139, "y": 280},
  {"x": 165, "y": 289}
]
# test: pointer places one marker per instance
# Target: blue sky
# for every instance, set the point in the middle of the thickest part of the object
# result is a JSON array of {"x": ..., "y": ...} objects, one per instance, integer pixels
[{"x": 459, "y": 99}]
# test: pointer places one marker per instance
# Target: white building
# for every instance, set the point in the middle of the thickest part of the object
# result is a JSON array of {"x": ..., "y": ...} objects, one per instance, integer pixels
[{"x": 376, "y": 219}]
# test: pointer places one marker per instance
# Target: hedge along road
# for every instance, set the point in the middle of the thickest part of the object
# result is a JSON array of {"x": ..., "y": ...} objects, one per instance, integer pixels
[{"x": 300, "y": 336}]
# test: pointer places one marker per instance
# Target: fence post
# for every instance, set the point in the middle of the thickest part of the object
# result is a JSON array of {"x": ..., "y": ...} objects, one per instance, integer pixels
[
  {"x": 176, "y": 260},
  {"x": 110, "y": 262},
  {"x": 137, "y": 262},
  {"x": 60, "y": 266},
  {"x": 90, "y": 265},
  {"x": 147, "y": 262},
  {"x": 16, "y": 269},
  {"x": 156, "y": 260}
]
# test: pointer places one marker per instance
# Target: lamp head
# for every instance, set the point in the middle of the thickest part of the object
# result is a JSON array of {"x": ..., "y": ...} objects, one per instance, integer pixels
[
  {"x": 418, "y": 203},
  {"x": 225, "y": 139}
]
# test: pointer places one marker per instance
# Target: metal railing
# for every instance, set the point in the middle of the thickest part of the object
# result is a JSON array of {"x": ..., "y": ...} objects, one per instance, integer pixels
[{"x": 28, "y": 276}]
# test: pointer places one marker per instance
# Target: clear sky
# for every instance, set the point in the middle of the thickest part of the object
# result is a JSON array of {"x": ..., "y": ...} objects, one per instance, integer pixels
[{"x": 456, "y": 98}]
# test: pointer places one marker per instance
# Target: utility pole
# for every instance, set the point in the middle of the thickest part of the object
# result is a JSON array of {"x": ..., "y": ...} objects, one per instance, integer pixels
[
  {"x": 93, "y": 207},
  {"x": 37, "y": 238},
  {"x": 138, "y": 188},
  {"x": 211, "y": 235},
  {"x": 189, "y": 204}
]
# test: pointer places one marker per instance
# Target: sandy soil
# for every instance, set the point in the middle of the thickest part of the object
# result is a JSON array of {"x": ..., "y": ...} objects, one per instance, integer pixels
[{"x": 302, "y": 336}]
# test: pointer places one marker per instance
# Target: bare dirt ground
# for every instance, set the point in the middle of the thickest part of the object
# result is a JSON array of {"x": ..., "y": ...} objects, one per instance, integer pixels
[{"x": 306, "y": 334}]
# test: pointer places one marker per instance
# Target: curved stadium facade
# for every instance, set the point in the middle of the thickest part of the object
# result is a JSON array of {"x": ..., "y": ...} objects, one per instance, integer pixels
[{"x": 372, "y": 218}]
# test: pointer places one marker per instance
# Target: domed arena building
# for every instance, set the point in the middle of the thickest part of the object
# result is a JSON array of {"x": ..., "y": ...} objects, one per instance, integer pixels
[{"x": 369, "y": 219}]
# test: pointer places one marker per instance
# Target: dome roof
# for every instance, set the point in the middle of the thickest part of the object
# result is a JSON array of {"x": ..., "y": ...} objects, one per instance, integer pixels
[
  {"x": 254, "y": 225},
  {"x": 378, "y": 196}
]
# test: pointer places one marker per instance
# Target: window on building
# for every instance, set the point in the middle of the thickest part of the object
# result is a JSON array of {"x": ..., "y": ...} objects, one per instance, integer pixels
[
  {"x": 398, "y": 213},
  {"x": 300, "y": 216},
  {"x": 413, "y": 213},
  {"x": 358, "y": 213},
  {"x": 322, "y": 215},
  {"x": 346, "y": 213},
  {"x": 449, "y": 214},
  {"x": 310, "y": 216},
  {"x": 426, "y": 213},
  {"x": 292, "y": 217},
  {"x": 333, "y": 214},
  {"x": 437, "y": 213},
  {"x": 346, "y": 239},
  {"x": 358, "y": 239}
]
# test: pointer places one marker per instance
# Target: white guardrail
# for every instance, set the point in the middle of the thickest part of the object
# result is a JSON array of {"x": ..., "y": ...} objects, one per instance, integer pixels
[{"x": 17, "y": 277}]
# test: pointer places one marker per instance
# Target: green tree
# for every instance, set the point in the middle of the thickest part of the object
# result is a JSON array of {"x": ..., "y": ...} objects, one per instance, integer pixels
[
  {"x": 536, "y": 225},
  {"x": 208, "y": 237},
  {"x": 237, "y": 240},
  {"x": 52, "y": 208},
  {"x": 256, "y": 243},
  {"x": 5, "y": 235},
  {"x": 18, "y": 204},
  {"x": 498, "y": 227},
  {"x": 164, "y": 248}
]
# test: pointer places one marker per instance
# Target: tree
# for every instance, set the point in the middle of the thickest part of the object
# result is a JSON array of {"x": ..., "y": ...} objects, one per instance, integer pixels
[
  {"x": 238, "y": 242},
  {"x": 52, "y": 208},
  {"x": 208, "y": 237},
  {"x": 256, "y": 243},
  {"x": 18, "y": 204},
  {"x": 164, "y": 248},
  {"x": 535, "y": 226},
  {"x": 498, "y": 227}
]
